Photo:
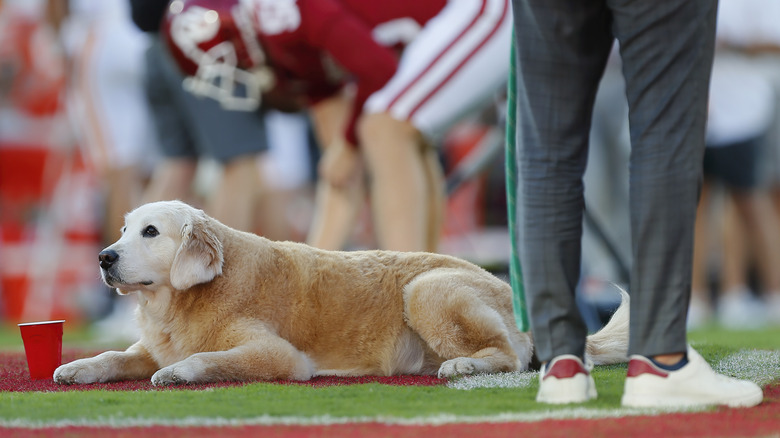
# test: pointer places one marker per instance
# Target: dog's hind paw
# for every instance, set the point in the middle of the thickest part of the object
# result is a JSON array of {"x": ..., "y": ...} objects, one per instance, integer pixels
[{"x": 458, "y": 366}]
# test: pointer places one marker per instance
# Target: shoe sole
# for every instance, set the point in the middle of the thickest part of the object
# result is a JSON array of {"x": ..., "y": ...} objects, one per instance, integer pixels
[{"x": 651, "y": 401}]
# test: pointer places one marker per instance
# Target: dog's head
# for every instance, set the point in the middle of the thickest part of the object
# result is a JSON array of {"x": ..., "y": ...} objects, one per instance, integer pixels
[{"x": 163, "y": 244}]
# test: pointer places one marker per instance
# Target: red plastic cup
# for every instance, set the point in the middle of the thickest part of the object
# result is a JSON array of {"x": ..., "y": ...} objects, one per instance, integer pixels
[{"x": 43, "y": 347}]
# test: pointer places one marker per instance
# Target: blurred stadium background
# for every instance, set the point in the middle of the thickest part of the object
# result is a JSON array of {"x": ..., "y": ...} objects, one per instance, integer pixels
[{"x": 52, "y": 199}]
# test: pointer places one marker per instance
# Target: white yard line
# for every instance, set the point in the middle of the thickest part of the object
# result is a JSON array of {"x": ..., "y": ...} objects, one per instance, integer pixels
[{"x": 266, "y": 420}]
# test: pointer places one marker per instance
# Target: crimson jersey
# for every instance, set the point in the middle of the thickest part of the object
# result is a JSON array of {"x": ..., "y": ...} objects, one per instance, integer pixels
[{"x": 300, "y": 37}]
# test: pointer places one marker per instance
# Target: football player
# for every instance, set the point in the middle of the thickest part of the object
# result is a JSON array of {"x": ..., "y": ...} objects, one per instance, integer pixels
[{"x": 381, "y": 80}]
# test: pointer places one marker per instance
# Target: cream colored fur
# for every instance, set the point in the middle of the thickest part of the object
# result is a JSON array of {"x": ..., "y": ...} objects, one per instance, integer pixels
[{"x": 218, "y": 304}]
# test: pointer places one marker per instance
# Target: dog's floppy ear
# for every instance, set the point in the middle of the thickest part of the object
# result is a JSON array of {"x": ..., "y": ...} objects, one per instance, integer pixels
[{"x": 199, "y": 258}]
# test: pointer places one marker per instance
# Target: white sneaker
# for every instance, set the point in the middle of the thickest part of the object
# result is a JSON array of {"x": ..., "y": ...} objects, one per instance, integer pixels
[
  {"x": 566, "y": 379},
  {"x": 699, "y": 313},
  {"x": 741, "y": 310},
  {"x": 695, "y": 384},
  {"x": 773, "y": 308}
]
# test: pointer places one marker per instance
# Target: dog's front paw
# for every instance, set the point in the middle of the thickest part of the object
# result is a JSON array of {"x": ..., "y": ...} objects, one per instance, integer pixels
[
  {"x": 457, "y": 366},
  {"x": 79, "y": 371},
  {"x": 176, "y": 374}
]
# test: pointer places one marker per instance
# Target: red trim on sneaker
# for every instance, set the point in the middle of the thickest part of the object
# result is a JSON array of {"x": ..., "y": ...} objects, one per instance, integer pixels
[
  {"x": 565, "y": 368},
  {"x": 639, "y": 366}
]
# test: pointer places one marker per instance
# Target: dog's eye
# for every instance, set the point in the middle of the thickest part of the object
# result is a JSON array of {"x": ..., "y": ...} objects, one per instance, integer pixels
[{"x": 150, "y": 231}]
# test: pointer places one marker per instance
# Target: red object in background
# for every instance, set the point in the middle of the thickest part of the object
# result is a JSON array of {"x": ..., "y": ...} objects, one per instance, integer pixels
[
  {"x": 26, "y": 172},
  {"x": 48, "y": 232},
  {"x": 42, "y": 347},
  {"x": 29, "y": 48},
  {"x": 23, "y": 185},
  {"x": 14, "y": 294},
  {"x": 33, "y": 223}
]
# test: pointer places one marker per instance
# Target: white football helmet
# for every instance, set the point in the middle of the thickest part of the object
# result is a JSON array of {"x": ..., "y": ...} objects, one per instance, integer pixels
[{"x": 216, "y": 47}]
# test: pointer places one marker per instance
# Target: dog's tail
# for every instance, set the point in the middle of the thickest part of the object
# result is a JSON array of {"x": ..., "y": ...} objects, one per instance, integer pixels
[{"x": 610, "y": 344}]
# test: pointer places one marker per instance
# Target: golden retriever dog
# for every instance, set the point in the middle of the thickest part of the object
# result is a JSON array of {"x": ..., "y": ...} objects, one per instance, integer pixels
[{"x": 217, "y": 304}]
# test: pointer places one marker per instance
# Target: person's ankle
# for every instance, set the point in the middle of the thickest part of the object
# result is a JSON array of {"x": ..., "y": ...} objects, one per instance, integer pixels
[
  {"x": 670, "y": 362},
  {"x": 668, "y": 359}
]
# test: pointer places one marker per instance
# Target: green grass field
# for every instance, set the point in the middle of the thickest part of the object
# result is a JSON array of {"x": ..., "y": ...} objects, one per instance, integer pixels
[{"x": 273, "y": 403}]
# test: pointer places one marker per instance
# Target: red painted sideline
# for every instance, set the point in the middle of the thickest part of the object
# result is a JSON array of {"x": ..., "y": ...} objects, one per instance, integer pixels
[
  {"x": 763, "y": 420},
  {"x": 14, "y": 377}
]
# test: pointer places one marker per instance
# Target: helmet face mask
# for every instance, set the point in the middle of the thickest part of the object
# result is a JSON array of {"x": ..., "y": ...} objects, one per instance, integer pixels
[
  {"x": 214, "y": 45},
  {"x": 219, "y": 78}
]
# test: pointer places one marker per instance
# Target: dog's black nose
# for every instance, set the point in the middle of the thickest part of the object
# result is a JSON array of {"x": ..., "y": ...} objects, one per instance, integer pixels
[{"x": 107, "y": 258}]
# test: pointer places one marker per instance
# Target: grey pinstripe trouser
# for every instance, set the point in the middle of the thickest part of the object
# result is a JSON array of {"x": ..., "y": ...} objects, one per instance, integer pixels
[{"x": 562, "y": 48}]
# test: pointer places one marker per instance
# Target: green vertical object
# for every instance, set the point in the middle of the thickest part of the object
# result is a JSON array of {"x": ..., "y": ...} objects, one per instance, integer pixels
[{"x": 515, "y": 273}]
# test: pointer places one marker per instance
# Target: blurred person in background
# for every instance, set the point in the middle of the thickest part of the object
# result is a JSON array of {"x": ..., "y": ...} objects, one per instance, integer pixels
[
  {"x": 740, "y": 111},
  {"x": 284, "y": 208},
  {"x": 368, "y": 104},
  {"x": 112, "y": 119},
  {"x": 191, "y": 130},
  {"x": 744, "y": 153}
]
